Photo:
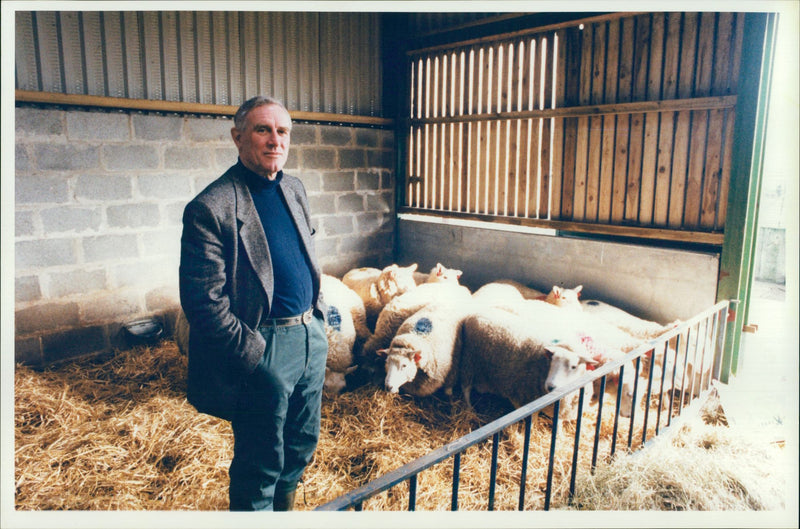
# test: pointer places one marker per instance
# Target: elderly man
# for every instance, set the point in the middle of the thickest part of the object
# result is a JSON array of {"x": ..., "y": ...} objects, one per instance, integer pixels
[{"x": 250, "y": 288}]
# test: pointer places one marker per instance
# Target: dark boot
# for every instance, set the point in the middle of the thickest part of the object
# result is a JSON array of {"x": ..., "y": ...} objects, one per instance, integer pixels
[{"x": 284, "y": 502}]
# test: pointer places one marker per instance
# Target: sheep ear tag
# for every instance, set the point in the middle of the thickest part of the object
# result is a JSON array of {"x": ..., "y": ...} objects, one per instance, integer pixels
[{"x": 417, "y": 357}]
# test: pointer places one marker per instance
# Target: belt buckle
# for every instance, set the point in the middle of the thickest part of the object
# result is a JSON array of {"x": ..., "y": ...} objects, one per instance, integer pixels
[{"x": 307, "y": 316}]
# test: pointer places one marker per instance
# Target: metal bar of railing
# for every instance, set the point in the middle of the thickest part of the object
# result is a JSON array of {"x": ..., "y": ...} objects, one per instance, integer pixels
[
  {"x": 551, "y": 459},
  {"x": 599, "y": 420},
  {"x": 631, "y": 422},
  {"x": 412, "y": 493},
  {"x": 493, "y": 471},
  {"x": 456, "y": 475},
  {"x": 525, "y": 452},
  {"x": 577, "y": 443},
  {"x": 454, "y": 449}
]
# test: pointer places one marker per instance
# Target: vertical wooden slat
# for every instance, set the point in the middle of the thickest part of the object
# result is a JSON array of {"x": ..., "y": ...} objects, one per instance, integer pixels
[
  {"x": 492, "y": 132},
  {"x": 573, "y": 55},
  {"x": 582, "y": 143},
  {"x": 628, "y": 133},
  {"x": 596, "y": 124},
  {"x": 501, "y": 180},
  {"x": 680, "y": 153},
  {"x": 713, "y": 160},
  {"x": 636, "y": 178},
  {"x": 669, "y": 90},
  {"x": 557, "y": 150},
  {"x": 428, "y": 144},
  {"x": 463, "y": 146},
  {"x": 651, "y": 120},
  {"x": 477, "y": 131},
  {"x": 605, "y": 193},
  {"x": 725, "y": 178}
]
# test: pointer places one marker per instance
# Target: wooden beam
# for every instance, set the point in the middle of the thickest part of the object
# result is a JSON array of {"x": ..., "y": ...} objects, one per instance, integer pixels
[
  {"x": 637, "y": 107},
  {"x": 694, "y": 237},
  {"x": 82, "y": 100}
]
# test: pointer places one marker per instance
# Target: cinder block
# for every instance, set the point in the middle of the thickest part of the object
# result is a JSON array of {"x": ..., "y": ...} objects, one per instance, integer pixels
[
  {"x": 45, "y": 252},
  {"x": 312, "y": 181},
  {"x": 70, "y": 219},
  {"x": 162, "y": 242},
  {"x": 173, "y": 213},
  {"x": 133, "y": 215},
  {"x": 130, "y": 158},
  {"x": 337, "y": 136},
  {"x": 24, "y": 223},
  {"x": 318, "y": 157},
  {"x": 73, "y": 343},
  {"x": 354, "y": 244},
  {"x": 350, "y": 203},
  {"x": 98, "y": 126},
  {"x": 109, "y": 247},
  {"x": 28, "y": 351},
  {"x": 380, "y": 158},
  {"x": 387, "y": 139},
  {"x": 103, "y": 187},
  {"x": 66, "y": 157},
  {"x": 164, "y": 185},
  {"x": 368, "y": 181},
  {"x": 369, "y": 223},
  {"x": 147, "y": 272},
  {"x": 303, "y": 134},
  {"x": 34, "y": 189},
  {"x": 336, "y": 225},
  {"x": 22, "y": 161},
  {"x": 110, "y": 306},
  {"x": 34, "y": 122},
  {"x": 45, "y": 317},
  {"x": 352, "y": 158},
  {"x": 368, "y": 137},
  {"x": 343, "y": 181},
  {"x": 187, "y": 158},
  {"x": 27, "y": 289},
  {"x": 380, "y": 202},
  {"x": 157, "y": 128},
  {"x": 327, "y": 247},
  {"x": 322, "y": 204},
  {"x": 209, "y": 129},
  {"x": 387, "y": 181},
  {"x": 224, "y": 157},
  {"x": 76, "y": 282}
]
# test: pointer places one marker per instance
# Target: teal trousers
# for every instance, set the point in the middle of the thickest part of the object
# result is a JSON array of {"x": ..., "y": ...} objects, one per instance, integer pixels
[{"x": 276, "y": 425}]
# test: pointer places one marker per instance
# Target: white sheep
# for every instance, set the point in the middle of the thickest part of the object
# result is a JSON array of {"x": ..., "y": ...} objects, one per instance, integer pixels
[
  {"x": 423, "y": 357},
  {"x": 438, "y": 273},
  {"x": 345, "y": 323},
  {"x": 506, "y": 355},
  {"x": 376, "y": 290},
  {"x": 526, "y": 291},
  {"x": 633, "y": 325},
  {"x": 497, "y": 294},
  {"x": 404, "y": 306}
]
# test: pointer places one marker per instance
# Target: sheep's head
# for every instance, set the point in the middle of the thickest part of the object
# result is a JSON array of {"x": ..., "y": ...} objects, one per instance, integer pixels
[
  {"x": 401, "y": 367},
  {"x": 395, "y": 280},
  {"x": 441, "y": 274},
  {"x": 565, "y": 297},
  {"x": 566, "y": 365}
]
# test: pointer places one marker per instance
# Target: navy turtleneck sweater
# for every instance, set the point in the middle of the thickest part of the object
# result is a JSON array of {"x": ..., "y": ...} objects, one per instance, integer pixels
[{"x": 290, "y": 267}]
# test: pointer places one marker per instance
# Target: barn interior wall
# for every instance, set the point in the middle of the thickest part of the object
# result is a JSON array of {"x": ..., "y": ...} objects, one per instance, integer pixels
[
  {"x": 655, "y": 283},
  {"x": 98, "y": 203}
]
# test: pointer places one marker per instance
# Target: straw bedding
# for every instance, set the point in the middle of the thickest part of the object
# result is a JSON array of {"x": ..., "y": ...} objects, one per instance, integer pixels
[{"x": 117, "y": 433}]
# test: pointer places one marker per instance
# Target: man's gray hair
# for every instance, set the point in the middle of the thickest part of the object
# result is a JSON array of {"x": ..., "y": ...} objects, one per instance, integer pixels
[{"x": 241, "y": 114}]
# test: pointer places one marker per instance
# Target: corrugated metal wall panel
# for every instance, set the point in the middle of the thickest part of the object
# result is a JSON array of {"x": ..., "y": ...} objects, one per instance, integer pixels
[{"x": 316, "y": 62}]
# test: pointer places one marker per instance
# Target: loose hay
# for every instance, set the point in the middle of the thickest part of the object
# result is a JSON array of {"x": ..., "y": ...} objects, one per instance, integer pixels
[{"x": 117, "y": 433}]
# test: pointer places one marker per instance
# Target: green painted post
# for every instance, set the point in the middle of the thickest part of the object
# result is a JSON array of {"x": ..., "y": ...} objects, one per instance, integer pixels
[{"x": 736, "y": 262}]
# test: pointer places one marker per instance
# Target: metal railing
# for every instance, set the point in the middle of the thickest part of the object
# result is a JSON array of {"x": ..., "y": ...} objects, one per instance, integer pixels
[{"x": 690, "y": 355}]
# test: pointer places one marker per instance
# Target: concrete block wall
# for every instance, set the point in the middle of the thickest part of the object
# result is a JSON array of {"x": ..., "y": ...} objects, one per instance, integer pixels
[{"x": 99, "y": 197}]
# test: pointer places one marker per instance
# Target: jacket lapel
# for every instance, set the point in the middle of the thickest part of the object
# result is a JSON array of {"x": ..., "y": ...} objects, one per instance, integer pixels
[{"x": 252, "y": 235}]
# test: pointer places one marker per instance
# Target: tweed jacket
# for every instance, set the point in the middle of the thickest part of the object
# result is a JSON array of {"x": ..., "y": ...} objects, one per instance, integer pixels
[{"x": 226, "y": 284}]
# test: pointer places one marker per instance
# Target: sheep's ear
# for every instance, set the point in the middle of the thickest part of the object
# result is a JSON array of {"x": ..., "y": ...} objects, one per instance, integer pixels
[
  {"x": 383, "y": 353},
  {"x": 557, "y": 291},
  {"x": 578, "y": 289},
  {"x": 458, "y": 273},
  {"x": 412, "y": 267},
  {"x": 588, "y": 359},
  {"x": 349, "y": 369},
  {"x": 439, "y": 269}
]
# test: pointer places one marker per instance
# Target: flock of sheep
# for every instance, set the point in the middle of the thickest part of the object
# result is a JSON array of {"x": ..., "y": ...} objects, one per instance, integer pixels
[{"x": 422, "y": 333}]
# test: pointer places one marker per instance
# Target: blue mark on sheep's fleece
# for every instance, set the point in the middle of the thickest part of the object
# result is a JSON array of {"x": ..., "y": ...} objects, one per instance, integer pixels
[
  {"x": 334, "y": 319},
  {"x": 593, "y": 303},
  {"x": 423, "y": 326}
]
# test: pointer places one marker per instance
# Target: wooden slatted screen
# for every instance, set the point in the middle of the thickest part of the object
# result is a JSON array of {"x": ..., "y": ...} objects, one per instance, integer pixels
[{"x": 623, "y": 120}]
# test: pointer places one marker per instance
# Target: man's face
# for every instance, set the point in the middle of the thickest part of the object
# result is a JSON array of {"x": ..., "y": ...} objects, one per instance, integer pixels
[{"x": 264, "y": 141}]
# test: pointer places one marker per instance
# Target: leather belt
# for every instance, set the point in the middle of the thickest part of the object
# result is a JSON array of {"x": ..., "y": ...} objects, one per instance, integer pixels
[{"x": 289, "y": 320}]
